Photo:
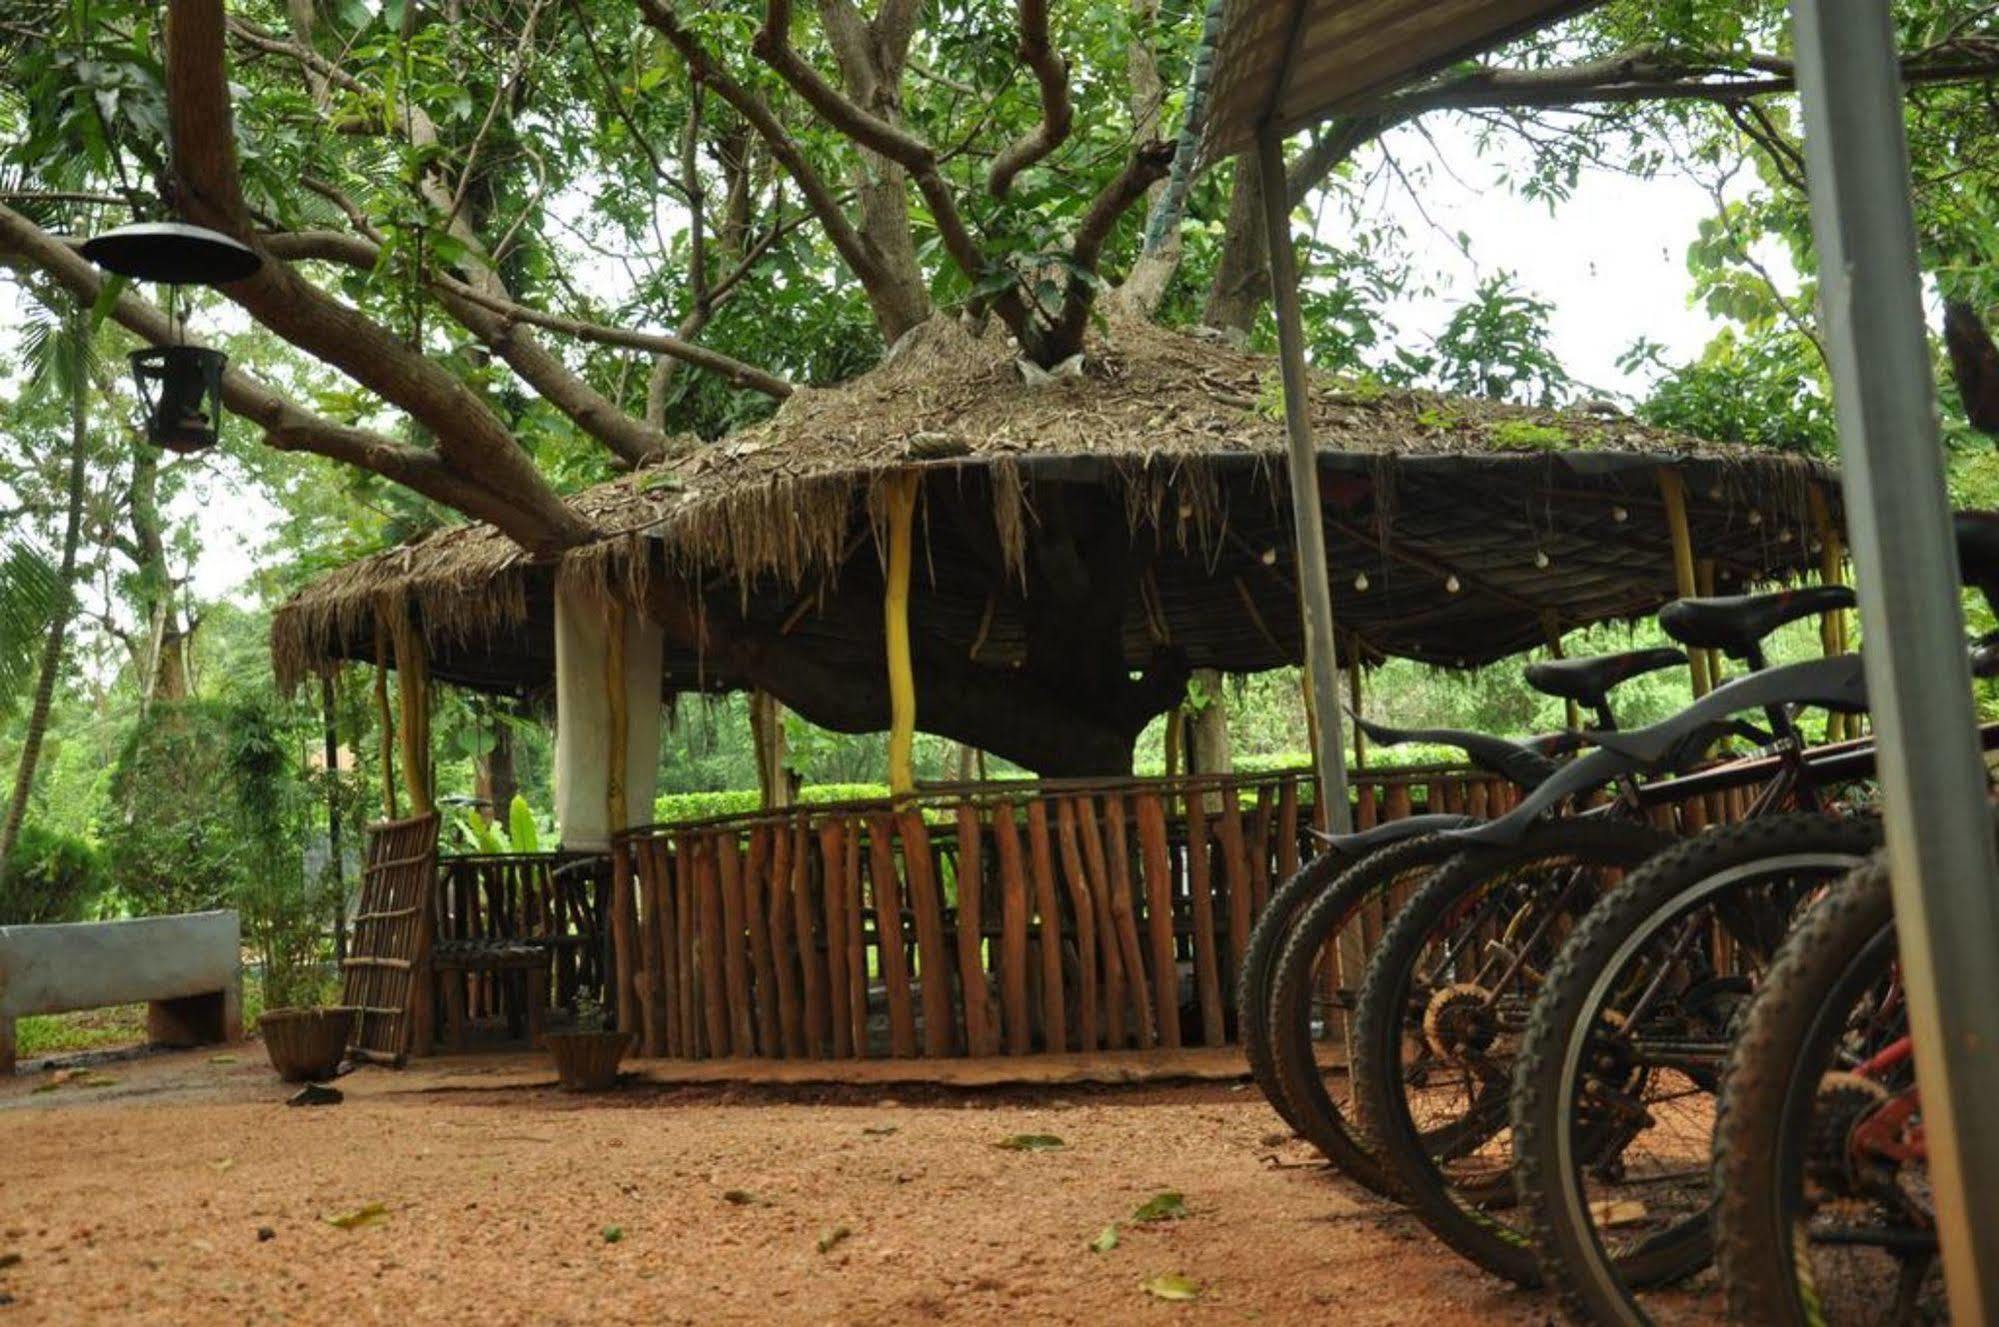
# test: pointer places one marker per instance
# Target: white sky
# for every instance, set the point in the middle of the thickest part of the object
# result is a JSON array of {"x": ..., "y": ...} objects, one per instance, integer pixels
[{"x": 1611, "y": 261}]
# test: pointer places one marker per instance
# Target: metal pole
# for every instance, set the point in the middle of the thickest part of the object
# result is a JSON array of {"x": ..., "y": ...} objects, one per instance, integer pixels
[
  {"x": 1308, "y": 522},
  {"x": 1940, "y": 841}
]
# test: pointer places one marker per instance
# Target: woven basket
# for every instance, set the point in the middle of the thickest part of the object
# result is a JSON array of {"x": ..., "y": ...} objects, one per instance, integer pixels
[
  {"x": 588, "y": 1061},
  {"x": 306, "y": 1045}
]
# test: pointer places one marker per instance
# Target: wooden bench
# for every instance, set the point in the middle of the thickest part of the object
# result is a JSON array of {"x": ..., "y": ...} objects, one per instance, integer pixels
[
  {"x": 187, "y": 970},
  {"x": 522, "y": 965}
]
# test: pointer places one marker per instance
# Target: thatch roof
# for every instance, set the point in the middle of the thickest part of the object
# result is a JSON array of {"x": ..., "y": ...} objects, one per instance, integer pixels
[{"x": 1538, "y": 518}]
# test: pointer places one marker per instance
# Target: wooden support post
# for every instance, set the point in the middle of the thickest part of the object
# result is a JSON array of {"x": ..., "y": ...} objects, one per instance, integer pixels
[
  {"x": 840, "y": 975},
  {"x": 413, "y": 697},
  {"x": 933, "y": 966},
  {"x": 1082, "y": 903},
  {"x": 1014, "y": 1020},
  {"x": 979, "y": 1034},
  {"x": 1832, "y": 571},
  {"x": 1673, "y": 489},
  {"x": 1047, "y": 907},
  {"x": 895, "y": 613}
]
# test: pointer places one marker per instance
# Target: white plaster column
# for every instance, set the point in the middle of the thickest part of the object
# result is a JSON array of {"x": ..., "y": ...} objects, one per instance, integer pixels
[{"x": 583, "y": 719}]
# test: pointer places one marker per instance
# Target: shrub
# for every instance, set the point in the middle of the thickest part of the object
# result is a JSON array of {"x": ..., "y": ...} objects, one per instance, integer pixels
[{"x": 52, "y": 878}]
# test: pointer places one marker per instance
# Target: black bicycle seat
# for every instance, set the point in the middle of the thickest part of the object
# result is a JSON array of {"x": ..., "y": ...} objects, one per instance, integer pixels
[
  {"x": 1737, "y": 624},
  {"x": 1588, "y": 681}
]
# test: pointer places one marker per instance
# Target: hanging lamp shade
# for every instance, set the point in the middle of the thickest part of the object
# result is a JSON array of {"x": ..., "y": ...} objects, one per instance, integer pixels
[{"x": 173, "y": 253}]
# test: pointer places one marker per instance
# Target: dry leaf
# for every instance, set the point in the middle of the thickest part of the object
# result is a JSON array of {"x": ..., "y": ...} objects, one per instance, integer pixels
[
  {"x": 368, "y": 1214},
  {"x": 1172, "y": 1286}
]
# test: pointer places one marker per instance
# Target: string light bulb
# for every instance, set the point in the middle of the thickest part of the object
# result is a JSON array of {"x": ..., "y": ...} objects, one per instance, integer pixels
[
  {"x": 1541, "y": 558},
  {"x": 1360, "y": 582},
  {"x": 1619, "y": 514},
  {"x": 1451, "y": 584}
]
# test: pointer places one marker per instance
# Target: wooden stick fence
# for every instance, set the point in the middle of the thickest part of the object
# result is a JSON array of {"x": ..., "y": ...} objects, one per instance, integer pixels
[{"x": 978, "y": 920}]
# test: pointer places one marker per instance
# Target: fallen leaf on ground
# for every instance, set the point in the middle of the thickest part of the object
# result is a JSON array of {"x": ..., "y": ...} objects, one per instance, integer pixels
[
  {"x": 223, "y": 1059},
  {"x": 1172, "y": 1286},
  {"x": 1617, "y": 1212},
  {"x": 1106, "y": 1239},
  {"x": 612, "y": 1234},
  {"x": 833, "y": 1238},
  {"x": 1031, "y": 1142},
  {"x": 740, "y": 1197},
  {"x": 223, "y": 1165},
  {"x": 879, "y": 1130},
  {"x": 366, "y": 1215},
  {"x": 1161, "y": 1207}
]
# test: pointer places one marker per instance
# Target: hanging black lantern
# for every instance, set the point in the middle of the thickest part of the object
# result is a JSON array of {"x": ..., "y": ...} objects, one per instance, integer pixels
[{"x": 181, "y": 385}]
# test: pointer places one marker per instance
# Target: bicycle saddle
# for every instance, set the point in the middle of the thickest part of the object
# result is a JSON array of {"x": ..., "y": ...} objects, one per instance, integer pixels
[
  {"x": 1588, "y": 681},
  {"x": 1737, "y": 624}
]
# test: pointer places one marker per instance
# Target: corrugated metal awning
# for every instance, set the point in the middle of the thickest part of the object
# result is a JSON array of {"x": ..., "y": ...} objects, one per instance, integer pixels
[{"x": 1291, "y": 63}]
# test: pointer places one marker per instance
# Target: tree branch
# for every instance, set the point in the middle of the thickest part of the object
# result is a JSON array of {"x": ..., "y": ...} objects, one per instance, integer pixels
[
  {"x": 1148, "y": 165},
  {"x": 287, "y": 425},
  {"x": 1058, "y": 115},
  {"x": 471, "y": 439}
]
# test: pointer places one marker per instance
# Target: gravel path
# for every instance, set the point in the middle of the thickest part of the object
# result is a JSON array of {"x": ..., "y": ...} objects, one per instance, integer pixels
[{"x": 186, "y": 1192}]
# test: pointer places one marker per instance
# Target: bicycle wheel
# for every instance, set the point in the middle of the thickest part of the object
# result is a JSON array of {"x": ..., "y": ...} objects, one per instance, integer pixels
[
  {"x": 1259, "y": 964},
  {"x": 1823, "y": 1213},
  {"x": 1626, "y": 1044},
  {"x": 1457, "y": 969},
  {"x": 1312, "y": 996}
]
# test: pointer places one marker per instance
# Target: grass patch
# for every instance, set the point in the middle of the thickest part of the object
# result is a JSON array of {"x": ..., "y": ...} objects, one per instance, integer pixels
[{"x": 86, "y": 1030}]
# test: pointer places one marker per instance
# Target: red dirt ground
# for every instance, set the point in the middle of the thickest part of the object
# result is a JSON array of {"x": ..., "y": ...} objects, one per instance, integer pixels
[{"x": 142, "y": 1199}]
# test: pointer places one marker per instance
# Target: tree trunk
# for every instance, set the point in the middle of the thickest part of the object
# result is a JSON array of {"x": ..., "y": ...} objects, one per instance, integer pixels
[
  {"x": 52, "y": 650},
  {"x": 493, "y": 773},
  {"x": 1241, "y": 283},
  {"x": 1208, "y": 749},
  {"x": 767, "y": 728}
]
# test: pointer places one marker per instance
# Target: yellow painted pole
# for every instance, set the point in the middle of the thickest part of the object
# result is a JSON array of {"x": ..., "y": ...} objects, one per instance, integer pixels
[
  {"x": 616, "y": 774},
  {"x": 1673, "y": 489},
  {"x": 413, "y": 692},
  {"x": 386, "y": 721},
  {"x": 895, "y": 612}
]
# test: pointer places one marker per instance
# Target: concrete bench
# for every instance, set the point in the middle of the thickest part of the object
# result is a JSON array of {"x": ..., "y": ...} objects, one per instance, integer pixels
[{"x": 188, "y": 969}]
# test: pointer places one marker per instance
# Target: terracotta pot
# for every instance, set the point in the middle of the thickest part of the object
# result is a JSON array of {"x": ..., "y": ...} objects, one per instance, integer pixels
[
  {"x": 588, "y": 1061},
  {"x": 306, "y": 1045}
]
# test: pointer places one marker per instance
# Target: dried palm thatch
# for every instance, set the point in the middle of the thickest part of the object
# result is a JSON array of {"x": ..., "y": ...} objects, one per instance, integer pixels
[{"x": 1475, "y": 527}]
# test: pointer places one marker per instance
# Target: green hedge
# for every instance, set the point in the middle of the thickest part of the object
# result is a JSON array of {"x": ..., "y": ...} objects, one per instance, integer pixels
[{"x": 53, "y": 878}]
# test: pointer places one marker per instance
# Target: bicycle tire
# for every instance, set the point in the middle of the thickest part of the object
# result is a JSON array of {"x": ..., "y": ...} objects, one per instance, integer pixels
[
  {"x": 1590, "y": 1282},
  {"x": 1769, "y": 1090},
  {"x": 1259, "y": 963},
  {"x": 1320, "y": 1119},
  {"x": 1386, "y": 1120}
]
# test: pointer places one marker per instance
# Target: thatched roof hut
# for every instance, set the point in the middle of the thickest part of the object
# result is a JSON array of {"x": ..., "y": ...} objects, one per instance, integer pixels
[{"x": 1083, "y": 541}]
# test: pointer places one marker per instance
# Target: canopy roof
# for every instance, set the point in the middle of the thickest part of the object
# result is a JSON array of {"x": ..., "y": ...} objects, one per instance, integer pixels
[
  {"x": 1292, "y": 63},
  {"x": 1150, "y": 489}
]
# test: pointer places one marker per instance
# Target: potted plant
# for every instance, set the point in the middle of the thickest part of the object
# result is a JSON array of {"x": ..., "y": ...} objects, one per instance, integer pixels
[
  {"x": 306, "y": 1045},
  {"x": 587, "y": 1053}
]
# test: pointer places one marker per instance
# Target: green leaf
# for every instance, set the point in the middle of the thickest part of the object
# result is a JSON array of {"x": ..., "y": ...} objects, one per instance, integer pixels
[
  {"x": 522, "y": 836},
  {"x": 1031, "y": 1142},
  {"x": 107, "y": 299},
  {"x": 1173, "y": 1286},
  {"x": 369, "y": 1214},
  {"x": 1161, "y": 1207},
  {"x": 613, "y": 1234},
  {"x": 1106, "y": 1239}
]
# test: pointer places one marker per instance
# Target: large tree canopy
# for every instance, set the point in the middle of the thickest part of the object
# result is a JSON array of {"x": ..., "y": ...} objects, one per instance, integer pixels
[{"x": 538, "y": 239}]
